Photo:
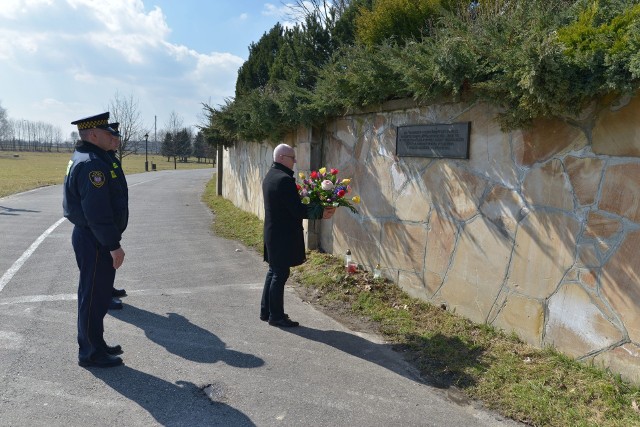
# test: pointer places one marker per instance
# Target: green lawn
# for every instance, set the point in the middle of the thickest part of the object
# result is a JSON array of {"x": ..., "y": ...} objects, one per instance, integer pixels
[{"x": 22, "y": 171}]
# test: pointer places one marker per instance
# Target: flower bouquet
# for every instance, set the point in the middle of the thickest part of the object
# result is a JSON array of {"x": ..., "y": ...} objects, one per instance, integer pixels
[{"x": 324, "y": 189}]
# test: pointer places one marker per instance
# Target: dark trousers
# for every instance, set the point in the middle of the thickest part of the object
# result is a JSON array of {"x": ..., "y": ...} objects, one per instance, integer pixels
[
  {"x": 94, "y": 291},
  {"x": 272, "y": 305}
]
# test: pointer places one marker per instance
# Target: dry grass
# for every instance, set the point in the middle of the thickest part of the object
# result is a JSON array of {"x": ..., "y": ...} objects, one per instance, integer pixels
[{"x": 22, "y": 171}]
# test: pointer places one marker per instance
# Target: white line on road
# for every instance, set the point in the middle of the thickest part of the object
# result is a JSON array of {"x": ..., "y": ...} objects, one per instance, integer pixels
[
  {"x": 140, "y": 292},
  {"x": 6, "y": 277}
]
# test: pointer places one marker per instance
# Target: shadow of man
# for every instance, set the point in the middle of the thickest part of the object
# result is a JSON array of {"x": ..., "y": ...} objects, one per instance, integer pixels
[
  {"x": 380, "y": 354},
  {"x": 180, "y": 404},
  {"x": 179, "y": 336},
  {"x": 434, "y": 372}
]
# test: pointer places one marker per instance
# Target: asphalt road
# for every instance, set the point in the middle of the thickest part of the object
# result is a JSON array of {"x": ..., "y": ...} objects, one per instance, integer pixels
[{"x": 196, "y": 353}]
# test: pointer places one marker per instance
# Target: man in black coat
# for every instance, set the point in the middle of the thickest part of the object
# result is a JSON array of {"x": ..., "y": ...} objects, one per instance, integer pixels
[
  {"x": 283, "y": 232},
  {"x": 96, "y": 201}
]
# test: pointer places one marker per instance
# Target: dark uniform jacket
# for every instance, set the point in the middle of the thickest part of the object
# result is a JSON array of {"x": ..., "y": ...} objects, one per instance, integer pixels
[
  {"x": 283, "y": 215},
  {"x": 96, "y": 194}
]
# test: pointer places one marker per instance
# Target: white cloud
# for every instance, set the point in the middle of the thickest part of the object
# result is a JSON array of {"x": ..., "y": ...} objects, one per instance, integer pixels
[{"x": 66, "y": 59}]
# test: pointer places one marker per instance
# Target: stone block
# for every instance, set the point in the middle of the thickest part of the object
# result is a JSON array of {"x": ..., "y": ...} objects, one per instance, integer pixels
[
  {"x": 546, "y": 138},
  {"x": 619, "y": 283},
  {"x": 404, "y": 246},
  {"x": 453, "y": 190},
  {"x": 587, "y": 256},
  {"x": 441, "y": 242},
  {"x": 478, "y": 271},
  {"x": 363, "y": 238},
  {"x": 624, "y": 359},
  {"x": 544, "y": 252},
  {"x": 576, "y": 326},
  {"x": 524, "y": 316},
  {"x": 585, "y": 175},
  {"x": 413, "y": 284},
  {"x": 489, "y": 148},
  {"x": 504, "y": 208},
  {"x": 546, "y": 185},
  {"x": 617, "y": 130},
  {"x": 621, "y": 192},
  {"x": 345, "y": 132},
  {"x": 602, "y": 227}
]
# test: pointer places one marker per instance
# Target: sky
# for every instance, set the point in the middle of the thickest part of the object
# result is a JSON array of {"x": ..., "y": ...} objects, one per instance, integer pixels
[{"x": 62, "y": 60}]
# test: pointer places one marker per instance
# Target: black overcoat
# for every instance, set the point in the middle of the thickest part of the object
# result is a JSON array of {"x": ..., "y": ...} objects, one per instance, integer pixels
[{"x": 283, "y": 215}]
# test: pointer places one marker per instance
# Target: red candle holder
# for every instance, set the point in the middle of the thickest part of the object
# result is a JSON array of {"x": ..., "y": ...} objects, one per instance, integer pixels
[{"x": 352, "y": 267}]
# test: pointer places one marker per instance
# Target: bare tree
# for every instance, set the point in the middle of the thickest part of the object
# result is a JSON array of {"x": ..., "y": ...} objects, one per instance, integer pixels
[
  {"x": 4, "y": 124},
  {"x": 125, "y": 111},
  {"x": 326, "y": 10},
  {"x": 174, "y": 123}
]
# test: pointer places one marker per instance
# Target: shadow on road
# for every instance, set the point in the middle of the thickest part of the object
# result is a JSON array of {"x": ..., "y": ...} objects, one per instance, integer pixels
[
  {"x": 179, "y": 336},
  {"x": 180, "y": 404},
  {"x": 358, "y": 347},
  {"x": 11, "y": 211}
]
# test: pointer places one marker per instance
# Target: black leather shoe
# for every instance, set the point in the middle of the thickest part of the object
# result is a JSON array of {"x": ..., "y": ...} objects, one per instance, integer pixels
[
  {"x": 284, "y": 323},
  {"x": 107, "y": 361},
  {"x": 114, "y": 350},
  {"x": 118, "y": 293},
  {"x": 266, "y": 318},
  {"x": 115, "y": 304}
]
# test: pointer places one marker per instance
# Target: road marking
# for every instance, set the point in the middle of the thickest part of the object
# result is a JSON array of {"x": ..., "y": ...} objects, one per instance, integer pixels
[
  {"x": 6, "y": 277},
  {"x": 143, "y": 182},
  {"x": 140, "y": 292}
]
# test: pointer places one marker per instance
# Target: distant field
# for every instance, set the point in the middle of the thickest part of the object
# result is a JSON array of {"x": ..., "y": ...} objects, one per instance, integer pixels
[{"x": 22, "y": 171}]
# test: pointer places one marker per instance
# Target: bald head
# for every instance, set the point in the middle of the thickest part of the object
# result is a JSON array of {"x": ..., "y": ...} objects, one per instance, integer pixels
[
  {"x": 285, "y": 155},
  {"x": 282, "y": 149}
]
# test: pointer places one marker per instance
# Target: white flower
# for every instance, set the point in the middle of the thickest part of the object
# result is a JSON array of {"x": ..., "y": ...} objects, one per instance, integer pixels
[{"x": 327, "y": 185}]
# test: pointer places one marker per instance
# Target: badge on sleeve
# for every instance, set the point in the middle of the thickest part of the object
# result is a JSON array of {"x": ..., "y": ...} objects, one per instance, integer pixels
[{"x": 96, "y": 178}]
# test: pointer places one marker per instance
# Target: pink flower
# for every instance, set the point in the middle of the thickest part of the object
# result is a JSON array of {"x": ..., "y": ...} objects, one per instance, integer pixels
[{"x": 334, "y": 171}]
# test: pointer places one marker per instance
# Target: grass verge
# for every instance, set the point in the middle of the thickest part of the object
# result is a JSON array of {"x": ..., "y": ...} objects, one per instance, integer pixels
[{"x": 536, "y": 386}]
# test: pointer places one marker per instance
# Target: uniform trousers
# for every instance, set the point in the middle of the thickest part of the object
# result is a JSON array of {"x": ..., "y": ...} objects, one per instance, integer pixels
[
  {"x": 272, "y": 304},
  {"x": 94, "y": 292}
]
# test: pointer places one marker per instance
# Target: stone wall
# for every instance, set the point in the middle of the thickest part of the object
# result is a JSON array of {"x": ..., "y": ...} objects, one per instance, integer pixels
[{"x": 537, "y": 233}]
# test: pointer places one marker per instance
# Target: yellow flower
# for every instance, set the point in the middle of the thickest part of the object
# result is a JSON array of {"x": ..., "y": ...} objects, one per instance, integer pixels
[
  {"x": 322, "y": 170},
  {"x": 346, "y": 181},
  {"x": 356, "y": 199},
  {"x": 302, "y": 175}
]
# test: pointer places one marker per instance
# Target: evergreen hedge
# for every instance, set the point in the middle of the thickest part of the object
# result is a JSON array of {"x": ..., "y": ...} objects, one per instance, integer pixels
[{"x": 532, "y": 59}]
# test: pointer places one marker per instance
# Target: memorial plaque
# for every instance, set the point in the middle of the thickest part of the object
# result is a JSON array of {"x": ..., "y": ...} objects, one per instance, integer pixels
[{"x": 440, "y": 140}]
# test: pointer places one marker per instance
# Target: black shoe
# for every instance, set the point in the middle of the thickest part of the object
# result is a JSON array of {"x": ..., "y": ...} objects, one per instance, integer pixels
[
  {"x": 284, "y": 323},
  {"x": 115, "y": 304},
  {"x": 266, "y": 318},
  {"x": 114, "y": 350},
  {"x": 118, "y": 293},
  {"x": 107, "y": 361}
]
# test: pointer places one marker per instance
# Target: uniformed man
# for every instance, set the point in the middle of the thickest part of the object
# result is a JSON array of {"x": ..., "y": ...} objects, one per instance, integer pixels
[
  {"x": 96, "y": 202},
  {"x": 116, "y": 294}
]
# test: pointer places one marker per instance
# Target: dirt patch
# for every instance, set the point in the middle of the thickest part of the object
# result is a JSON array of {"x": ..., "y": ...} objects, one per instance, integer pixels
[{"x": 337, "y": 310}]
